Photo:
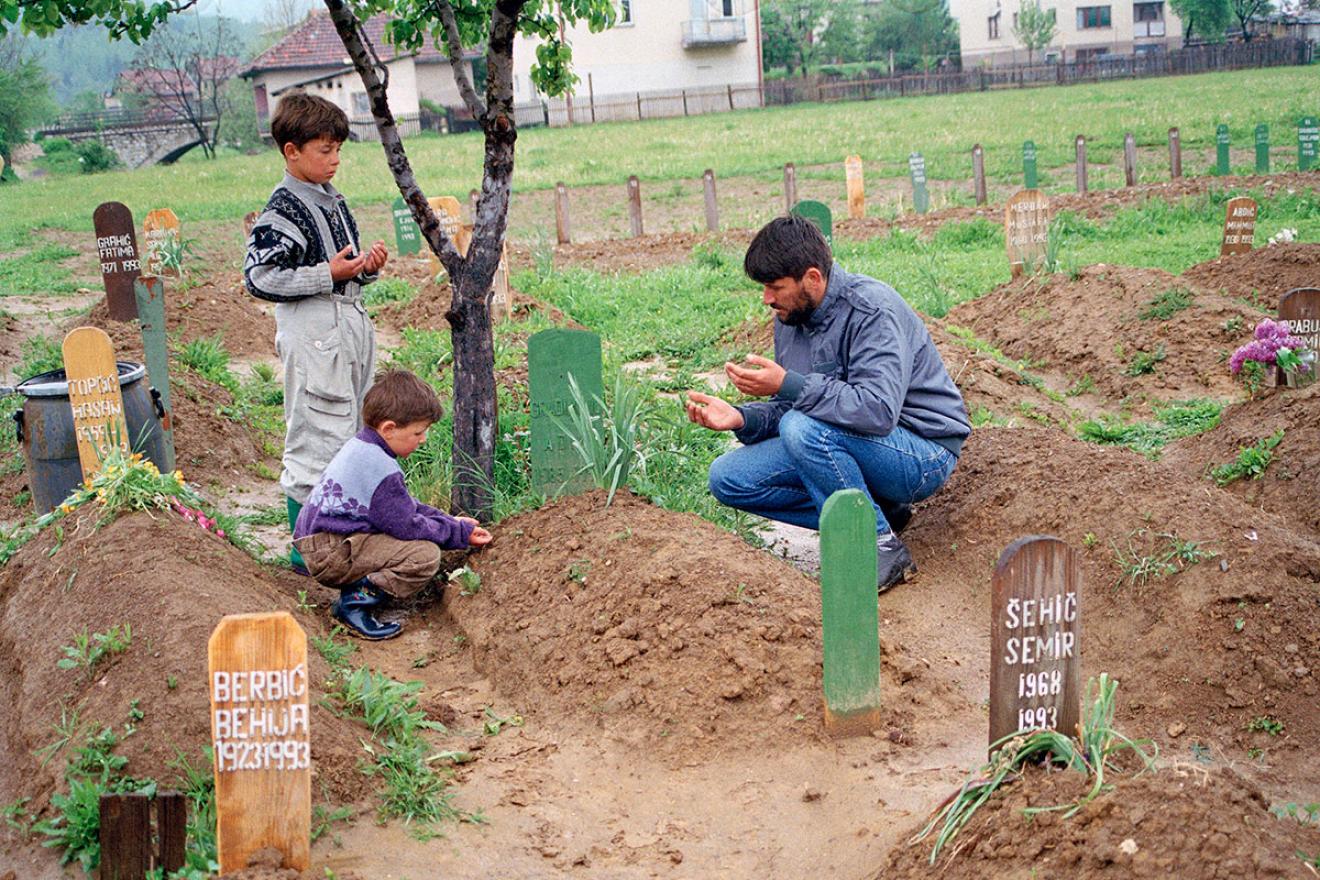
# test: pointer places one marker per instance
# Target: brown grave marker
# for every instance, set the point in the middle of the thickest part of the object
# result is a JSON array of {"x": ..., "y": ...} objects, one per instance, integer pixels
[
  {"x": 116, "y": 247},
  {"x": 1299, "y": 308},
  {"x": 1035, "y": 638},
  {"x": 1175, "y": 154},
  {"x": 259, "y": 730},
  {"x": 852, "y": 169},
  {"x": 562, "y": 231},
  {"x": 94, "y": 395},
  {"x": 1130, "y": 159},
  {"x": 160, "y": 238},
  {"x": 712, "y": 207},
  {"x": 978, "y": 174},
  {"x": 249, "y": 220},
  {"x": 635, "y": 205},
  {"x": 790, "y": 187},
  {"x": 1239, "y": 226},
  {"x": 1081, "y": 163},
  {"x": 1026, "y": 229}
]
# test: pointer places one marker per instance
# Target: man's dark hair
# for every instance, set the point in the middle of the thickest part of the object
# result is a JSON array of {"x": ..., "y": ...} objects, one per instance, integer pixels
[
  {"x": 301, "y": 117},
  {"x": 399, "y": 396},
  {"x": 787, "y": 247}
]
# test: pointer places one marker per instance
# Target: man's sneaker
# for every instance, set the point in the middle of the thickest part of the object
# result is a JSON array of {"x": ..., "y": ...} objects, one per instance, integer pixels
[
  {"x": 353, "y": 609},
  {"x": 893, "y": 562},
  {"x": 897, "y": 515}
]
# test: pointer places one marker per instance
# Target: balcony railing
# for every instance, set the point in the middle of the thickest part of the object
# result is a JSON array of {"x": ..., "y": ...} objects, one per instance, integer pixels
[
  {"x": 720, "y": 31},
  {"x": 1148, "y": 29}
]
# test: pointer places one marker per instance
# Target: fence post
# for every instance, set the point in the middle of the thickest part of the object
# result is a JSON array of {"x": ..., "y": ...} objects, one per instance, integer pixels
[
  {"x": 1130, "y": 159},
  {"x": 639, "y": 106},
  {"x": 562, "y": 229},
  {"x": 712, "y": 212},
  {"x": 685, "y": 110},
  {"x": 1081, "y": 163},
  {"x": 591, "y": 97},
  {"x": 978, "y": 174},
  {"x": 1175, "y": 154},
  {"x": 125, "y": 836},
  {"x": 635, "y": 205},
  {"x": 790, "y": 186},
  {"x": 730, "y": 86}
]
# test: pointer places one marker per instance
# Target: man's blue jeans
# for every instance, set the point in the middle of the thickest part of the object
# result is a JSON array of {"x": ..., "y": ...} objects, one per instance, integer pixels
[{"x": 789, "y": 477}]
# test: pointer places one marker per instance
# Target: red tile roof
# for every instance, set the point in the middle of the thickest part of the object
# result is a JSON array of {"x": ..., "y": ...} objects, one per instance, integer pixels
[{"x": 316, "y": 43}]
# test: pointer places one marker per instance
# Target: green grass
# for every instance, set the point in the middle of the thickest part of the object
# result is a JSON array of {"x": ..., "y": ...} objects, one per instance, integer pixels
[
  {"x": 37, "y": 271},
  {"x": 1251, "y": 461},
  {"x": 1174, "y": 420}
]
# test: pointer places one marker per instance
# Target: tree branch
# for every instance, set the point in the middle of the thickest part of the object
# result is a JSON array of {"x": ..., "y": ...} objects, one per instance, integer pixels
[{"x": 454, "y": 45}]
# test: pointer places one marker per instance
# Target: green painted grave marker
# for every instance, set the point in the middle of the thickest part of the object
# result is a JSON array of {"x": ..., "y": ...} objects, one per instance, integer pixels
[
  {"x": 150, "y": 293},
  {"x": 553, "y": 356},
  {"x": 1221, "y": 149},
  {"x": 818, "y": 213},
  {"x": 920, "y": 195},
  {"x": 1308, "y": 143},
  {"x": 849, "y": 617},
  {"x": 1262, "y": 149},
  {"x": 1029, "y": 164},
  {"x": 407, "y": 234}
]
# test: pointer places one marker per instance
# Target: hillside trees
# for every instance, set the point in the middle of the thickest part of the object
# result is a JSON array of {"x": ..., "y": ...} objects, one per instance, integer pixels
[
  {"x": 1206, "y": 18},
  {"x": 24, "y": 96},
  {"x": 451, "y": 25},
  {"x": 1034, "y": 27},
  {"x": 1246, "y": 10}
]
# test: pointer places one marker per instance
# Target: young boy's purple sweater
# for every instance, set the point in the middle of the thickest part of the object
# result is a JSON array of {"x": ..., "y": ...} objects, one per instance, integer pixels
[{"x": 362, "y": 490}]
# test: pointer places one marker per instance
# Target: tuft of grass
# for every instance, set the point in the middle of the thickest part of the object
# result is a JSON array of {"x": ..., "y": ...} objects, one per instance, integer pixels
[
  {"x": 207, "y": 356},
  {"x": 1150, "y": 556},
  {"x": 1144, "y": 362},
  {"x": 606, "y": 438},
  {"x": 1167, "y": 304},
  {"x": 387, "y": 290},
  {"x": 1251, "y": 461},
  {"x": 1181, "y": 418},
  {"x": 89, "y": 650}
]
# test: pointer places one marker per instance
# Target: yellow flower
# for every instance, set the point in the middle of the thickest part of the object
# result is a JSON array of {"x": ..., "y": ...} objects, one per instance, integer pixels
[{"x": 66, "y": 508}]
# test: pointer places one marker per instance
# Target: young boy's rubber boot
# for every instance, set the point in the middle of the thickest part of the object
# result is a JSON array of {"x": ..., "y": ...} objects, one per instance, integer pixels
[
  {"x": 353, "y": 610},
  {"x": 376, "y": 597},
  {"x": 295, "y": 558}
]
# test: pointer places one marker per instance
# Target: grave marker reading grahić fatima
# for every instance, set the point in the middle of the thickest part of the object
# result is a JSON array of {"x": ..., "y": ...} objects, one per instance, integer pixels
[
  {"x": 1299, "y": 308},
  {"x": 1029, "y": 175},
  {"x": 407, "y": 234},
  {"x": 553, "y": 356},
  {"x": 849, "y": 616},
  {"x": 1221, "y": 149},
  {"x": 116, "y": 248},
  {"x": 1308, "y": 143},
  {"x": 161, "y": 242},
  {"x": 1262, "y": 149},
  {"x": 1026, "y": 229},
  {"x": 94, "y": 395},
  {"x": 259, "y": 730},
  {"x": 818, "y": 213},
  {"x": 1035, "y": 638},
  {"x": 1239, "y": 226},
  {"x": 852, "y": 170},
  {"x": 149, "y": 291},
  {"x": 920, "y": 195}
]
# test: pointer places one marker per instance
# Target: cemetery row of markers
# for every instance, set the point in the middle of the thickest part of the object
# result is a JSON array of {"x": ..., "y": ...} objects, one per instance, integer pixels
[{"x": 1308, "y": 152}]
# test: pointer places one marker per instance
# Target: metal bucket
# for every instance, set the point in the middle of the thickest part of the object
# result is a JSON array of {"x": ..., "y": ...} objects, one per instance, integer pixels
[{"x": 45, "y": 430}]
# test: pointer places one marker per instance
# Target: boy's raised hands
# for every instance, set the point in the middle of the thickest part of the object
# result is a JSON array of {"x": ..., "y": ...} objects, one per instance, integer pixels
[
  {"x": 376, "y": 257},
  {"x": 344, "y": 265}
]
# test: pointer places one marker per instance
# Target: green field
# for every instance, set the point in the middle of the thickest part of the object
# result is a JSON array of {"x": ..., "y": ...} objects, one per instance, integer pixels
[{"x": 754, "y": 143}]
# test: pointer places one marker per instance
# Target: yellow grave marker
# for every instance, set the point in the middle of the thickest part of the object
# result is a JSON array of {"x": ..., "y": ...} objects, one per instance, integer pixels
[
  {"x": 94, "y": 395},
  {"x": 501, "y": 300},
  {"x": 259, "y": 729},
  {"x": 1026, "y": 230},
  {"x": 852, "y": 168},
  {"x": 161, "y": 238},
  {"x": 450, "y": 214}
]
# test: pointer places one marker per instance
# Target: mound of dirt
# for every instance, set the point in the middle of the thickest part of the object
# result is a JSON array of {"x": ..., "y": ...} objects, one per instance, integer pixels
[
  {"x": 1102, "y": 325},
  {"x": 1201, "y": 653},
  {"x": 171, "y": 582},
  {"x": 1261, "y": 275},
  {"x": 647, "y": 252},
  {"x": 1182, "y": 821},
  {"x": 667, "y": 631},
  {"x": 1287, "y": 488},
  {"x": 246, "y": 325}
]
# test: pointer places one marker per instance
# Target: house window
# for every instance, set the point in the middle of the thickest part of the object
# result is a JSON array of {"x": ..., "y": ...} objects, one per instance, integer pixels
[
  {"x": 726, "y": 7},
  {"x": 625, "y": 12},
  {"x": 992, "y": 26},
  {"x": 1092, "y": 17},
  {"x": 361, "y": 106},
  {"x": 1148, "y": 12}
]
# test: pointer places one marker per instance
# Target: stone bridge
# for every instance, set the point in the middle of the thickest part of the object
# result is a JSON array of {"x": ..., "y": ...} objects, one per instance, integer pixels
[{"x": 138, "y": 138}]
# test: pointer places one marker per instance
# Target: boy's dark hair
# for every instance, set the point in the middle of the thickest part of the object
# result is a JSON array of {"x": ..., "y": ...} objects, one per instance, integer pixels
[
  {"x": 301, "y": 117},
  {"x": 399, "y": 396},
  {"x": 787, "y": 247}
]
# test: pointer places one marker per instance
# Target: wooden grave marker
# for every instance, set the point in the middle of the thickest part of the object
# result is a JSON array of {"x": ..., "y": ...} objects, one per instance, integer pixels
[
  {"x": 920, "y": 194},
  {"x": 1262, "y": 149},
  {"x": 1080, "y": 149},
  {"x": 1308, "y": 143},
  {"x": 1030, "y": 178},
  {"x": 978, "y": 174},
  {"x": 1239, "y": 226},
  {"x": 1221, "y": 150},
  {"x": 708, "y": 196},
  {"x": 1129, "y": 159},
  {"x": 1299, "y": 309},
  {"x": 818, "y": 213},
  {"x": 95, "y": 396},
  {"x": 501, "y": 298},
  {"x": 1175, "y": 154},
  {"x": 450, "y": 214},
  {"x": 852, "y": 172},
  {"x": 259, "y": 729},
  {"x": 128, "y": 846},
  {"x": 249, "y": 220},
  {"x": 563, "y": 231},
  {"x": 790, "y": 187},
  {"x": 635, "y": 206},
  {"x": 161, "y": 241},
  {"x": 849, "y": 616},
  {"x": 116, "y": 246},
  {"x": 553, "y": 356},
  {"x": 150, "y": 294},
  {"x": 1026, "y": 229},
  {"x": 407, "y": 234},
  {"x": 1035, "y": 638}
]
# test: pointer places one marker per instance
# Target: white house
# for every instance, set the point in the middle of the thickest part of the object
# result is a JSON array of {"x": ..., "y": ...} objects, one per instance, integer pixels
[{"x": 1085, "y": 30}]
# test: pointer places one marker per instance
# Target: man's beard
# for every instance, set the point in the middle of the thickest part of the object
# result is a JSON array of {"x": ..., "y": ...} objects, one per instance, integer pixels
[{"x": 800, "y": 313}]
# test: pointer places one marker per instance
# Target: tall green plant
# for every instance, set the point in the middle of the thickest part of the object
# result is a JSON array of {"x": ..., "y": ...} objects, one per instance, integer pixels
[{"x": 606, "y": 438}]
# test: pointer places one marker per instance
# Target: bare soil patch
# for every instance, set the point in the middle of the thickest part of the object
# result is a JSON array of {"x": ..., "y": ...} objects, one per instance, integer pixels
[{"x": 1261, "y": 275}]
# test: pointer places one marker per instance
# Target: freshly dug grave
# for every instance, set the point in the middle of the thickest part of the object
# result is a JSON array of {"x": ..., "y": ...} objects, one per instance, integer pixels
[
  {"x": 220, "y": 305},
  {"x": 1261, "y": 275},
  {"x": 1202, "y": 655},
  {"x": 642, "y": 254},
  {"x": 660, "y": 628},
  {"x": 1288, "y": 487},
  {"x": 1099, "y": 325},
  {"x": 171, "y": 582},
  {"x": 1183, "y": 821}
]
